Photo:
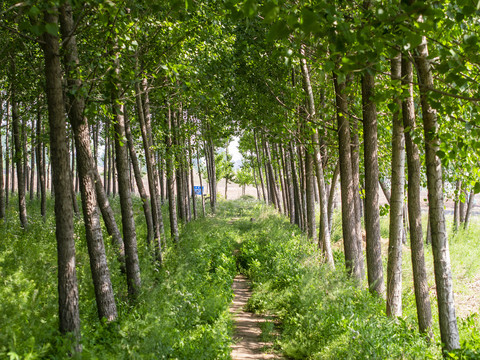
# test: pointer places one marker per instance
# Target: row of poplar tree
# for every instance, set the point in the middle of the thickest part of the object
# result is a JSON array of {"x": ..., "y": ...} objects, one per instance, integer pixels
[{"x": 315, "y": 91}]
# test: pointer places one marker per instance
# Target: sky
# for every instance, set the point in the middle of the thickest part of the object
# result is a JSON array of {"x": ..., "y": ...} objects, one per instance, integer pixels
[{"x": 237, "y": 158}]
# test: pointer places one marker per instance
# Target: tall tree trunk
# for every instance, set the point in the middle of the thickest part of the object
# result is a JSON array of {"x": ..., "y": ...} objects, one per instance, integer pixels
[
  {"x": 324, "y": 238},
  {"x": 259, "y": 163},
  {"x": 2, "y": 183},
  {"x": 169, "y": 157},
  {"x": 22, "y": 206},
  {"x": 7, "y": 159},
  {"x": 41, "y": 166},
  {"x": 372, "y": 211},
  {"x": 296, "y": 189},
  {"x": 441, "y": 256},
  {"x": 161, "y": 177},
  {"x": 76, "y": 210},
  {"x": 139, "y": 181},
  {"x": 146, "y": 130},
  {"x": 420, "y": 282},
  {"x": 355, "y": 155},
  {"x": 310, "y": 196},
  {"x": 104, "y": 296},
  {"x": 394, "y": 266},
  {"x": 210, "y": 155},
  {"x": 349, "y": 226},
  {"x": 462, "y": 207},
  {"x": 456, "y": 212},
  {"x": 32, "y": 161},
  {"x": 121, "y": 158},
  {"x": 109, "y": 158},
  {"x": 469, "y": 209},
  {"x": 291, "y": 194},
  {"x": 12, "y": 140},
  {"x": 201, "y": 183},
  {"x": 331, "y": 195},
  {"x": 192, "y": 180},
  {"x": 69, "y": 318}
]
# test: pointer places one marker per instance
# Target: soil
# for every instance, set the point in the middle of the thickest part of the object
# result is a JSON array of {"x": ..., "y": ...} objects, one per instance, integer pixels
[{"x": 247, "y": 335}]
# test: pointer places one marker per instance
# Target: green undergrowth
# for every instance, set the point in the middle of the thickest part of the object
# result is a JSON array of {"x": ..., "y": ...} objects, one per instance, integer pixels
[
  {"x": 181, "y": 313},
  {"x": 323, "y": 315}
]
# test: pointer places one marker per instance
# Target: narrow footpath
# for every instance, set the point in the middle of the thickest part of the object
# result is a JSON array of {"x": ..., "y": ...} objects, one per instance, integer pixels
[{"x": 247, "y": 335}]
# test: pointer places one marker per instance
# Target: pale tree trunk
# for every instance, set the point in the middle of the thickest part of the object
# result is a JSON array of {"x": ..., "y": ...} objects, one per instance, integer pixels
[
  {"x": 2, "y": 184},
  {"x": 201, "y": 182},
  {"x": 372, "y": 211},
  {"x": 104, "y": 296},
  {"x": 212, "y": 175},
  {"x": 69, "y": 318},
  {"x": 324, "y": 230},
  {"x": 420, "y": 281},
  {"x": 462, "y": 207},
  {"x": 138, "y": 178},
  {"x": 441, "y": 255},
  {"x": 456, "y": 212},
  {"x": 32, "y": 161},
  {"x": 310, "y": 196},
  {"x": 296, "y": 189},
  {"x": 349, "y": 226},
  {"x": 331, "y": 195},
  {"x": 22, "y": 206},
  {"x": 257, "y": 151},
  {"x": 469, "y": 209},
  {"x": 7, "y": 159},
  {"x": 160, "y": 162},
  {"x": 169, "y": 157},
  {"x": 41, "y": 166},
  {"x": 192, "y": 179},
  {"x": 121, "y": 158},
  {"x": 149, "y": 160},
  {"x": 355, "y": 156},
  {"x": 394, "y": 265},
  {"x": 291, "y": 194}
]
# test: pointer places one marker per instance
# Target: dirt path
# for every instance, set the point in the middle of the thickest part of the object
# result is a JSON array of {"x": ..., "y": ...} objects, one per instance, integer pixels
[{"x": 247, "y": 336}]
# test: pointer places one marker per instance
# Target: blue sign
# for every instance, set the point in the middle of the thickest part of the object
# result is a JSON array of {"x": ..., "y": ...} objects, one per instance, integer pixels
[{"x": 198, "y": 190}]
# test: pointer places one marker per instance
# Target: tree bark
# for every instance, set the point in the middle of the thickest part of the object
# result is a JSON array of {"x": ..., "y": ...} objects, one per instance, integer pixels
[
  {"x": 121, "y": 158},
  {"x": 469, "y": 209},
  {"x": 265, "y": 198},
  {"x": 420, "y": 281},
  {"x": 146, "y": 130},
  {"x": 104, "y": 296},
  {"x": 441, "y": 256},
  {"x": 18, "y": 158},
  {"x": 456, "y": 212},
  {"x": 201, "y": 183},
  {"x": 2, "y": 183},
  {"x": 169, "y": 157},
  {"x": 394, "y": 265},
  {"x": 372, "y": 211},
  {"x": 69, "y": 318},
  {"x": 296, "y": 189},
  {"x": 7, "y": 160},
  {"x": 331, "y": 195},
  {"x": 138, "y": 178},
  {"x": 32, "y": 162},
  {"x": 349, "y": 226},
  {"x": 324, "y": 230}
]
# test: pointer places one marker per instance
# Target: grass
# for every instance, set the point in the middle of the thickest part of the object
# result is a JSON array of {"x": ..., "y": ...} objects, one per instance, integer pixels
[{"x": 182, "y": 312}]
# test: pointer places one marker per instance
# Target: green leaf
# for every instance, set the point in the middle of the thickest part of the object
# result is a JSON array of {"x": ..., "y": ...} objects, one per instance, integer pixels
[
  {"x": 34, "y": 11},
  {"x": 51, "y": 28},
  {"x": 441, "y": 154},
  {"x": 476, "y": 188}
]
